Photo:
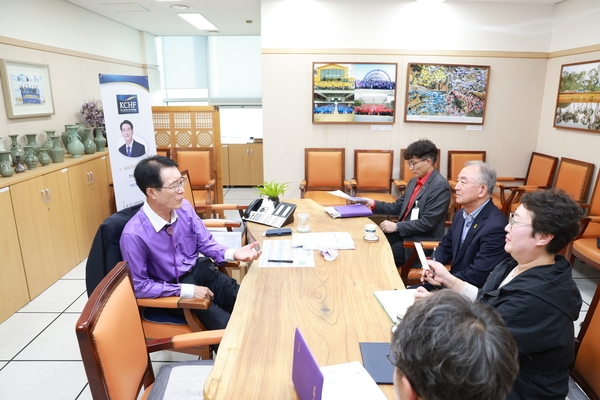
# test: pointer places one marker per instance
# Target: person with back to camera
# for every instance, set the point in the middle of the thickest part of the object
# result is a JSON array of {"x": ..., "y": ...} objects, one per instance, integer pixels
[
  {"x": 164, "y": 242},
  {"x": 423, "y": 207},
  {"x": 475, "y": 242},
  {"x": 533, "y": 292},
  {"x": 447, "y": 347},
  {"x": 131, "y": 148}
]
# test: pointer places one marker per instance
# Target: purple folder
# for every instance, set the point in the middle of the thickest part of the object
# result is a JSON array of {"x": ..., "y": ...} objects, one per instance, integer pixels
[
  {"x": 354, "y": 210},
  {"x": 306, "y": 374}
]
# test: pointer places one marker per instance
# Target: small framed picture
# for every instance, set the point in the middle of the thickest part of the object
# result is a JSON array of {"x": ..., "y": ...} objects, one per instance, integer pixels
[{"x": 27, "y": 89}]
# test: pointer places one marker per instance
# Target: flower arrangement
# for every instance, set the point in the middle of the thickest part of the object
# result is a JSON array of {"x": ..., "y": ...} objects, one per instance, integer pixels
[{"x": 93, "y": 113}]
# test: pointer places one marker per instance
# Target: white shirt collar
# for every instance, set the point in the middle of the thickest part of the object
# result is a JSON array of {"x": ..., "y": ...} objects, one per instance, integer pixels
[{"x": 157, "y": 222}]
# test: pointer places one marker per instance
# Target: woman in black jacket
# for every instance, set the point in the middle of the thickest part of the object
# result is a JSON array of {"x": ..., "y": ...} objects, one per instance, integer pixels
[{"x": 533, "y": 292}]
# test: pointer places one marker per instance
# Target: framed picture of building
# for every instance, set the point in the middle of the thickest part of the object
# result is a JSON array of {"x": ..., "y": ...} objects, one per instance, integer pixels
[
  {"x": 578, "y": 100},
  {"x": 446, "y": 93},
  {"x": 359, "y": 93},
  {"x": 27, "y": 89}
]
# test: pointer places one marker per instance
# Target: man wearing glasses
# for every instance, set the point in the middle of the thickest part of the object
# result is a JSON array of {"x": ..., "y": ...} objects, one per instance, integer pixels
[
  {"x": 167, "y": 246},
  {"x": 422, "y": 210},
  {"x": 447, "y": 347}
]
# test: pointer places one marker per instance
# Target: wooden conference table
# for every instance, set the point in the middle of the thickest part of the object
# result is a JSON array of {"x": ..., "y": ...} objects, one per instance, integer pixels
[{"x": 332, "y": 304}]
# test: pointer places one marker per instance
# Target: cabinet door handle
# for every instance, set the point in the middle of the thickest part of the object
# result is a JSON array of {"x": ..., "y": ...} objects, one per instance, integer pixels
[
  {"x": 251, "y": 152},
  {"x": 93, "y": 178},
  {"x": 43, "y": 196},
  {"x": 89, "y": 177},
  {"x": 48, "y": 195}
]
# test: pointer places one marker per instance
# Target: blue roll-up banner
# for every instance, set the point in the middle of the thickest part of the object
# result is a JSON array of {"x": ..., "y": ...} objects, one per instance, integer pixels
[{"x": 129, "y": 131}]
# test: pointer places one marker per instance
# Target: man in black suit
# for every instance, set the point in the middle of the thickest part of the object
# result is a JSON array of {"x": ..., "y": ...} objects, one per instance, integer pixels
[
  {"x": 131, "y": 148},
  {"x": 422, "y": 209},
  {"x": 475, "y": 243}
]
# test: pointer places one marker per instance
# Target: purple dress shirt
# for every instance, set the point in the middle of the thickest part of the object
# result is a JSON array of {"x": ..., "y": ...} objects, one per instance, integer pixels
[{"x": 157, "y": 259}]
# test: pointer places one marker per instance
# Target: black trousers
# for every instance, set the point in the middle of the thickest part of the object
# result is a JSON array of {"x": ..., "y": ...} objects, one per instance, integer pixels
[
  {"x": 397, "y": 244},
  {"x": 224, "y": 288}
]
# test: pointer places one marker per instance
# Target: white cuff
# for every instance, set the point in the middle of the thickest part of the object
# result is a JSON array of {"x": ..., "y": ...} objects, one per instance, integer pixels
[
  {"x": 470, "y": 291},
  {"x": 187, "y": 290},
  {"x": 229, "y": 255}
]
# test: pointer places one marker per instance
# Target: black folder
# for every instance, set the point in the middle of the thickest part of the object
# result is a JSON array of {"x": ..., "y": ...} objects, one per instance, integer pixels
[{"x": 376, "y": 363}]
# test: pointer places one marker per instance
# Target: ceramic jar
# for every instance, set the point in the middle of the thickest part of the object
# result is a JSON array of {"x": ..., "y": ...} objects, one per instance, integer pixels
[
  {"x": 6, "y": 169},
  {"x": 31, "y": 159},
  {"x": 19, "y": 166},
  {"x": 99, "y": 138},
  {"x": 57, "y": 154},
  {"x": 74, "y": 146},
  {"x": 15, "y": 148},
  {"x": 48, "y": 143},
  {"x": 88, "y": 142},
  {"x": 44, "y": 158},
  {"x": 32, "y": 141},
  {"x": 65, "y": 135}
]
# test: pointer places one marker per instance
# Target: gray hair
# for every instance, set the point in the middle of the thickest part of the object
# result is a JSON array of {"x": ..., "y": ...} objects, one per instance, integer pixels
[
  {"x": 451, "y": 348},
  {"x": 486, "y": 176}
]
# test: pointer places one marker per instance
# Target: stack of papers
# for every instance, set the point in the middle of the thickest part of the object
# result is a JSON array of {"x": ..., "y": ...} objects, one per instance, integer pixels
[
  {"x": 324, "y": 240},
  {"x": 396, "y": 302}
]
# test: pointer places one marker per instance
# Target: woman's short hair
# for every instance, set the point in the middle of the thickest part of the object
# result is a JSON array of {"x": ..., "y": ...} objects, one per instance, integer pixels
[{"x": 553, "y": 212}]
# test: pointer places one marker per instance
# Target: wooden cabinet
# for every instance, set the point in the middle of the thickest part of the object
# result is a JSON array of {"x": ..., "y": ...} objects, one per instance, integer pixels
[
  {"x": 44, "y": 217},
  {"x": 90, "y": 192},
  {"x": 225, "y": 164},
  {"x": 245, "y": 164},
  {"x": 13, "y": 285}
]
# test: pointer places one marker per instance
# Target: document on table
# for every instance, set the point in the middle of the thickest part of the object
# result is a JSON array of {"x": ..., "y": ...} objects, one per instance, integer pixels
[
  {"x": 349, "y": 381},
  {"x": 280, "y": 253},
  {"x": 343, "y": 195},
  {"x": 396, "y": 302},
  {"x": 232, "y": 240},
  {"x": 324, "y": 240}
]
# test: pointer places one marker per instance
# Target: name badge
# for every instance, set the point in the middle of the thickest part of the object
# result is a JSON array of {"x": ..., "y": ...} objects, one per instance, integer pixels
[{"x": 414, "y": 214}]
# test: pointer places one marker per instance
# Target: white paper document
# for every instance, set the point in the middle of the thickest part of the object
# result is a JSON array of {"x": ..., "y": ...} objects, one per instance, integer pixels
[
  {"x": 343, "y": 195},
  {"x": 323, "y": 240},
  {"x": 281, "y": 254},
  {"x": 349, "y": 381},
  {"x": 422, "y": 257},
  {"x": 232, "y": 240},
  {"x": 396, "y": 302}
]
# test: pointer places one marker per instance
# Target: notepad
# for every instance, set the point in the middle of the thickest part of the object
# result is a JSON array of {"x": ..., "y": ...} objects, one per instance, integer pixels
[
  {"x": 396, "y": 302},
  {"x": 375, "y": 361}
]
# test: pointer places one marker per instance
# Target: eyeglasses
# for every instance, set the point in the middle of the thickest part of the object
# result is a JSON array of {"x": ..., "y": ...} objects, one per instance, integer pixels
[
  {"x": 511, "y": 221},
  {"x": 180, "y": 184},
  {"x": 411, "y": 164},
  {"x": 390, "y": 358}
]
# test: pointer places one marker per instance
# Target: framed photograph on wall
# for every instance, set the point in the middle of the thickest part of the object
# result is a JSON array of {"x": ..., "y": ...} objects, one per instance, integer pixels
[
  {"x": 578, "y": 100},
  {"x": 359, "y": 93},
  {"x": 27, "y": 89},
  {"x": 446, "y": 93}
]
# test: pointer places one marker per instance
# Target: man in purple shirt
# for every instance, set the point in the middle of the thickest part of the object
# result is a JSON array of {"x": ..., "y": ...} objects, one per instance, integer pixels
[{"x": 164, "y": 244}]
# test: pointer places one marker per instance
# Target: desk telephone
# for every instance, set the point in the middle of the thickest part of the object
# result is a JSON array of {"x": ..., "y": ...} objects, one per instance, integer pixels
[{"x": 271, "y": 213}]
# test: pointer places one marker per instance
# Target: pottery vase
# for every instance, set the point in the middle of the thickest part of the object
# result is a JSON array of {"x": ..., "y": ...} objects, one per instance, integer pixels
[
  {"x": 19, "y": 166},
  {"x": 2, "y": 144},
  {"x": 99, "y": 138},
  {"x": 65, "y": 135},
  {"x": 32, "y": 141},
  {"x": 44, "y": 158},
  {"x": 57, "y": 153},
  {"x": 6, "y": 168},
  {"x": 88, "y": 142},
  {"x": 15, "y": 148},
  {"x": 75, "y": 147},
  {"x": 31, "y": 159},
  {"x": 48, "y": 143}
]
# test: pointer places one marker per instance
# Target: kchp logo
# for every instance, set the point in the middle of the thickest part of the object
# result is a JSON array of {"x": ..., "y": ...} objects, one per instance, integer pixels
[{"x": 127, "y": 104}]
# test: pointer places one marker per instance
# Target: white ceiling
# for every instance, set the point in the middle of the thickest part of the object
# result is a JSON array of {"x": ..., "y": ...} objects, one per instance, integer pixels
[{"x": 229, "y": 16}]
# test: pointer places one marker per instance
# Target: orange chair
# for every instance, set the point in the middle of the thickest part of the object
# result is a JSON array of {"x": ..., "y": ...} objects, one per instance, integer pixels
[
  {"x": 199, "y": 161},
  {"x": 406, "y": 174},
  {"x": 409, "y": 273},
  {"x": 373, "y": 174},
  {"x": 163, "y": 151},
  {"x": 456, "y": 162},
  {"x": 540, "y": 173},
  {"x": 324, "y": 171},
  {"x": 111, "y": 339},
  {"x": 586, "y": 368}
]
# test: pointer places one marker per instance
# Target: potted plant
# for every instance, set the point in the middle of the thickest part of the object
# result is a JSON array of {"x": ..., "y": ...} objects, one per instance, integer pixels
[{"x": 272, "y": 190}]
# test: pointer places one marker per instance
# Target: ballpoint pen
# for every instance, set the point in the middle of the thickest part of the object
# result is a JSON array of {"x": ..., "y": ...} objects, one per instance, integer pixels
[
  {"x": 433, "y": 258},
  {"x": 282, "y": 261}
]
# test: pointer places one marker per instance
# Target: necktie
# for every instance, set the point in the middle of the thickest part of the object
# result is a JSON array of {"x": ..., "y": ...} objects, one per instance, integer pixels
[
  {"x": 468, "y": 222},
  {"x": 128, "y": 151}
]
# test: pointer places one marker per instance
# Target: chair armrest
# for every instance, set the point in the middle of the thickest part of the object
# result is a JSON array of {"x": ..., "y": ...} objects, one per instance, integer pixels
[
  {"x": 214, "y": 209},
  {"x": 452, "y": 184},
  {"x": 302, "y": 188},
  {"x": 174, "y": 302},
  {"x": 508, "y": 179},
  {"x": 399, "y": 183},
  {"x": 353, "y": 183},
  {"x": 221, "y": 223},
  {"x": 430, "y": 245},
  {"x": 195, "y": 339},
  {"x": 348, "y": 187},
  {"x": 209, "y": 184}
]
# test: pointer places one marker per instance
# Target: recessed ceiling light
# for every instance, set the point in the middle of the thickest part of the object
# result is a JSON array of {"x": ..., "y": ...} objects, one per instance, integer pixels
[
  {"x": 199, "y": 21},
  {"x": 179, "y": 7}
]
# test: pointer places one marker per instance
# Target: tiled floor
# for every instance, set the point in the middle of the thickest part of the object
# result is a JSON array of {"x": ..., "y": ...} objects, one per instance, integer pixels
[{"x": 39, "y": 355}]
